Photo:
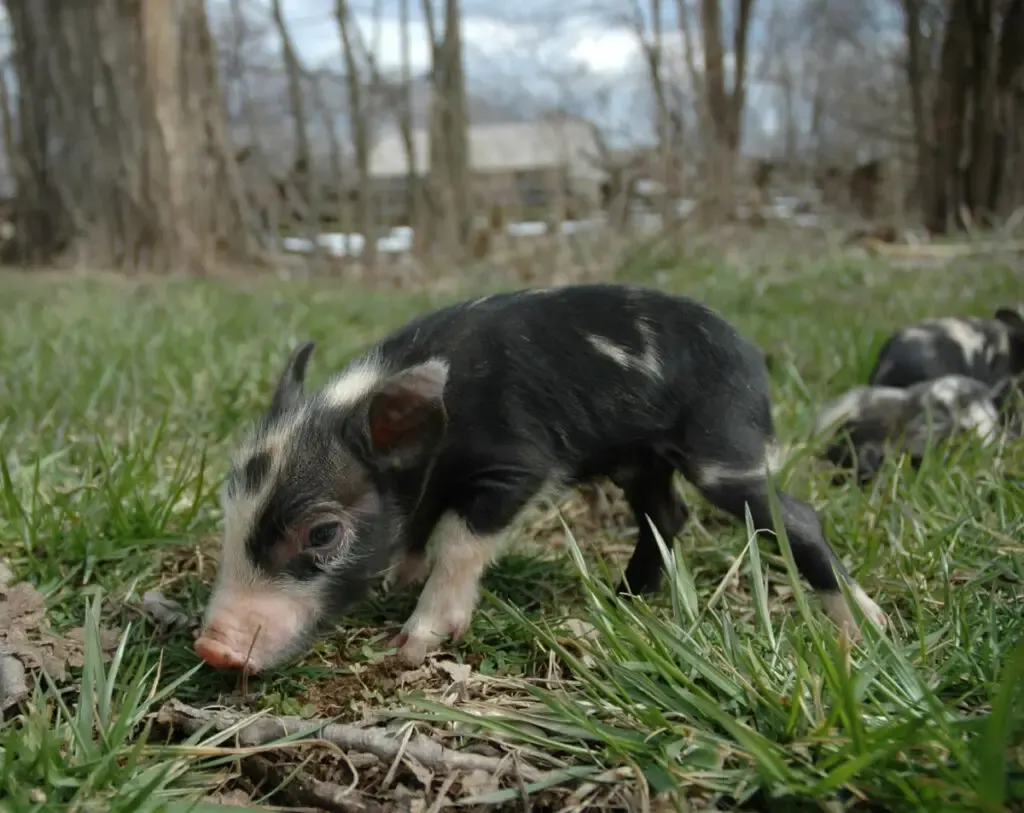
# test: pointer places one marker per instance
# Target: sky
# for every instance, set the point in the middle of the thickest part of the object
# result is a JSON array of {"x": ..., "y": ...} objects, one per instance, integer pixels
[{"x": 579, "y": 54}]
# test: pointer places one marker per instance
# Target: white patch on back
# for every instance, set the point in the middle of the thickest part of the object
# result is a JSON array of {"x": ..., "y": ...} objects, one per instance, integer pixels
[
  {"x": 969, "y": 338},
  {"x": 919, "y": 333},
  {"x": 649, "y": 362},
  {"x": 982, "y": 419},
  {"x": 948, "y": 389}
]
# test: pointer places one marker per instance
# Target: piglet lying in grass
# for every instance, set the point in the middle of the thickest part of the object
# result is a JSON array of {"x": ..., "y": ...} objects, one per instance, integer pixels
[
  {"x": 449, "y": 427},
  {"x": 866, "y": 423},
  {"x": 988, "y": 350}
]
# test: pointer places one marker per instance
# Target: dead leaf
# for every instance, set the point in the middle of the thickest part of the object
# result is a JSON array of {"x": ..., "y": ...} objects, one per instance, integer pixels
[
  {"x": 25, "y": 634},
  {"x": 230, "y": 797},
  {"x": 581, "y": 630},
  {"x": 458, "y": 672},
  {"x": 478, "y": 782},
  {"x": 414, "y": 675},
  {"x": 13, "y": 688},
  {"x": 164, "y": 612}
]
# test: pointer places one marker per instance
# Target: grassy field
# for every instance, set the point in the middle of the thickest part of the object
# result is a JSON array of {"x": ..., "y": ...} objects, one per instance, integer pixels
[{"x": 120, "y": 401}]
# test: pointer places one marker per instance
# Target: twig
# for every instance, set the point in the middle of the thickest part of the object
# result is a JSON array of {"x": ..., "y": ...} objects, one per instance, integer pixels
[
  {"x": 302, "y": 790},
  {"x": 374, "y": 741}
]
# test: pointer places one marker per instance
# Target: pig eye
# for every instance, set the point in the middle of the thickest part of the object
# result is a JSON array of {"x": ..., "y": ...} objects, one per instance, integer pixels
[{"x": 324, "y": 535}]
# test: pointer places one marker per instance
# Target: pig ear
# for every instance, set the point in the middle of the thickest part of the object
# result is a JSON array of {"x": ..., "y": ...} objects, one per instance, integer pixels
[
  {"x": 405, "y": 416},
  {"x": 289, "y": 385},
  {"x": 1012, "y": 317}
]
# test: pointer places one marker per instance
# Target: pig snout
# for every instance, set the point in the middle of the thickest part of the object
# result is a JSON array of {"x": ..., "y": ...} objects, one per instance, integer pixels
[
  {"x": 219, "y": 649},
  {"x": 252, "y": 632}
]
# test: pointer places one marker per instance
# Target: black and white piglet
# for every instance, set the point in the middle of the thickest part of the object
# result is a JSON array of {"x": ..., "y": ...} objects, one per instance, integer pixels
[
  {"x": 988, "y": 350},
  {"x": 447, "y": 429},
  {"x": 866, "y": 423}
]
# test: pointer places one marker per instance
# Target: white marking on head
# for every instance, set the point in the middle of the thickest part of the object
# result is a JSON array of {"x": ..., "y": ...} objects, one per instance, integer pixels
[
  {"x": 852, "y": 406},
  {"x": 648, "y": 362},
  {"x": 354, "y": 382},
  {"x": 242, "y": 508},
  {"x": 949, "y": 389}
]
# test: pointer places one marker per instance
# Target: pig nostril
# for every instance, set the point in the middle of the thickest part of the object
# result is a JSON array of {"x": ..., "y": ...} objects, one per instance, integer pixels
[{"x": 216, "y": 653}]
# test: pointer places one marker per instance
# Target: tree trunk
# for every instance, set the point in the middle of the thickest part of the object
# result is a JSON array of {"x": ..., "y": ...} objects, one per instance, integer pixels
[
  {"x": 122, "y": 137},
  {"x": 413, "y": 200},
  {"x": 448, "y": 186},
  {"x": 980, "y": 64},
  {"x": 358, "y": 114},
  {"x": 915, "y": 80},
  {"x": 725, "y": 106},
  {"x": 663, "y": 125},
  {"x": 948, "y": 116}
]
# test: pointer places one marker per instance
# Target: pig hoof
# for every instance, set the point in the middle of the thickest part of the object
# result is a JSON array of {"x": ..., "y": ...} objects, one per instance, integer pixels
[
  {"x": 871, "y": 610},
  {"x": 414, "y": 646}
]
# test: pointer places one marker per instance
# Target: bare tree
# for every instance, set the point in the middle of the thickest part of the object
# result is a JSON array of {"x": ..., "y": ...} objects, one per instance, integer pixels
[
  {"x": 448, "y": 187},
  {"x": 667, "y": 121},
  {"x": 359, "y": 122},
  {"x": 414, "y": 196},
  {"x": 303, "y": 170},
  {"x": 123, "y": 151},
  {"x": 722, "y": 103}
]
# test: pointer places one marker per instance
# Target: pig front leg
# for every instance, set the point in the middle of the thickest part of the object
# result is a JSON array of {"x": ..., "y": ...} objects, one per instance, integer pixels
[
  {"x": 408, "y": 567},
  {"x": 449, "y": 596}
]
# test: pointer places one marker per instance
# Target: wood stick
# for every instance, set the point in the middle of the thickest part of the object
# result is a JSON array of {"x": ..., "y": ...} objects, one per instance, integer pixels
[
  {"x": 302, "y": 790},
  {"x": 374, "y": 741}
]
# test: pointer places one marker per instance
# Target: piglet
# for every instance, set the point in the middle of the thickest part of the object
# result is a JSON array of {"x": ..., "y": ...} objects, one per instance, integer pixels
[
  {"x": 865, "y": 423},
  {"x": 447, "y": 429},
  {"x": 988, "y": 350}
]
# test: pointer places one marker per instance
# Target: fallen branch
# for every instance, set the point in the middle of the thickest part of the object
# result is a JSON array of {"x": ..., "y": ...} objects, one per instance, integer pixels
[
  {"x": 374, "y": 741},
  {"x": 302, "y": 790}
]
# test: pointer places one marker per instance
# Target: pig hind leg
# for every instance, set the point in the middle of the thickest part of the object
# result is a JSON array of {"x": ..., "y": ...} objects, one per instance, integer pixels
[
  {"x": 650, "y": 492},
  {"x": 729, "y": 468}
]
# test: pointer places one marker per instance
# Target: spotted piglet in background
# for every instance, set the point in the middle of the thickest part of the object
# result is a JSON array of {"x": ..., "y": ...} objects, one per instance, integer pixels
[
  {"x": 988, "y": 350},
  {"x": 448, "y": 428},
  {"x": 866, "y": 424}
]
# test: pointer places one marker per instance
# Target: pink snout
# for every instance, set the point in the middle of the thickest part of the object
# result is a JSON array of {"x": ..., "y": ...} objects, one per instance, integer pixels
[
  {"x": 253, "y": 629},
  {"x": 219, "y": 650}
]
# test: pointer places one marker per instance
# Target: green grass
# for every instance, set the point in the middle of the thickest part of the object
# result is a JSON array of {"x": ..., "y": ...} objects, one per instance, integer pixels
[{"x": 120, "y": 401}]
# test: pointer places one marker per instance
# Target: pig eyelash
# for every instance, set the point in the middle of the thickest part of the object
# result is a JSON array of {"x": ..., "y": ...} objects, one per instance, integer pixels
[{"x": 340, "y": 552}]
